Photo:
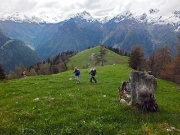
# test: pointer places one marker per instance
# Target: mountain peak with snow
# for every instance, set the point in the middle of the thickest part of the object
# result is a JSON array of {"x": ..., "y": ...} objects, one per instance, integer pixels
[
  {"x": 18, "y": 17},
  {"x": 177, "y": 14},
  {"x": 153, "y": 11},
  {"x": 84, "y": 16}
]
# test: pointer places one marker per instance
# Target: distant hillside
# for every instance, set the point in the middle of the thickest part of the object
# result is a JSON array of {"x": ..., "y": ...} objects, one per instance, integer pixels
[
  {"x": 85, "y": 59},
  {"x": 15, "y": 52},
  {"x": 68, "y": 36},
  {"x": 25, "y": 31}
]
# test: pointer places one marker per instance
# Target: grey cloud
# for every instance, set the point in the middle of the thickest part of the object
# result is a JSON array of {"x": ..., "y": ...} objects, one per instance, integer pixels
[
  {"x": 102, "y": 12},
  {"x": 52, "y": 4},
  {"x": 169, "y": 7},
  {"x": 22, "y": 5},
  {"x": 95, "y": 7}
]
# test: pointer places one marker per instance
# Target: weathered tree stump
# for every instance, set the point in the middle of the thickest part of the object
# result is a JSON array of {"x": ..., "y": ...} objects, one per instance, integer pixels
[{"x": 143, "y": 87}]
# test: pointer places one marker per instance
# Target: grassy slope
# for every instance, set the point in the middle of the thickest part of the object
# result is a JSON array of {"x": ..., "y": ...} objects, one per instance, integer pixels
[
  {"x": 66, "y": 107},
  {"x": 84, "y": 58}
]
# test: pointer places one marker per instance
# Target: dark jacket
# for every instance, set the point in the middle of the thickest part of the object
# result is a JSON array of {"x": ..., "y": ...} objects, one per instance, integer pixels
[
  {"x": 77, "y": 72},
  {"x": 92, "y": 72}
]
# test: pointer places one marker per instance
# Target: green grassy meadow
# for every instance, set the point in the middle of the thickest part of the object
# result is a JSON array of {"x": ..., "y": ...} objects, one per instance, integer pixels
[
  {"x": 56, "y": 105},
  {"x": 84, "y": 59}
]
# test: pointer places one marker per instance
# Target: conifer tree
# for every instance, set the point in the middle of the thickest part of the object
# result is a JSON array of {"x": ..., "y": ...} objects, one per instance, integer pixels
[
  {"x": 137, "y": 59},
  {"x": 2, "y": 74},
  {"x": 100, "y": 58}
]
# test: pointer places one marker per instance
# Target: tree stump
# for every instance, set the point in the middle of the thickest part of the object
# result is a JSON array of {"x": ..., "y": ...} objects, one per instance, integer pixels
[{"x": 143, "y": 87}]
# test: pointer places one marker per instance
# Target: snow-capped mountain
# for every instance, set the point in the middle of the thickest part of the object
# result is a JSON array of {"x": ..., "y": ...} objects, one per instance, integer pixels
[
  {"x": 84, "y": 16},
  {"x": 152, "y": 17},
  {"x": 153, "y": 11},
  {"x": 121, "y": 17},
  {"x": 18, "y": 17}
]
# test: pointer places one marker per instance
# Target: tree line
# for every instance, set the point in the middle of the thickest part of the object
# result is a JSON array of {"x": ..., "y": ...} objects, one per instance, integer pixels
[
  {"x": 161, "y": 63},
  {"x": 119, "y": 51},
  {"x": 52, "y": 65}
]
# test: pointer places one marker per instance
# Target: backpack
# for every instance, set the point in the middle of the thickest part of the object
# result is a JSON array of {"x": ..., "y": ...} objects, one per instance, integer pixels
[{"x": 93, "y": 72}]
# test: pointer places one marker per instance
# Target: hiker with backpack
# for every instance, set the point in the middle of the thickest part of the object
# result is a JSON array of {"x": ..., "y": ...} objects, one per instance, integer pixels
[
  {"x": 77, "y": 74},
  {"x": 93, "y": 73}
]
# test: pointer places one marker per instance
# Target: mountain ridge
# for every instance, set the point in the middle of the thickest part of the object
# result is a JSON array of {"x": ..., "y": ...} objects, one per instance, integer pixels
[{"x": 151, "y": 17}]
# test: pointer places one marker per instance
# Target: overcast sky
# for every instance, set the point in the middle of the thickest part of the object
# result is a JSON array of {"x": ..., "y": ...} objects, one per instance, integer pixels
[{"x": 97, "y": 8}]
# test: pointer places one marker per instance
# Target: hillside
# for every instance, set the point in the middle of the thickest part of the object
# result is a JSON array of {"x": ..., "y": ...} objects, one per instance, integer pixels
[
  {"x": 84, "y": 58},
  {"x": 25, "y": 32},
  {"x": 14, "y": 52},
  {"x": 55, "y": 104}
]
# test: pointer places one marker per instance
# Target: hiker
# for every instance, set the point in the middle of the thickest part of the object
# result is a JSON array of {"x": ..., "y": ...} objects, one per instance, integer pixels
[
  {"x": 77, "y": 74},
  {"x": 93, "y": 73}
]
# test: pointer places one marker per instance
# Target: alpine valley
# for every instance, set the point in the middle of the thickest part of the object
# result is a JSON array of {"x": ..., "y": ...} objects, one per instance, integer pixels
[{"x": 48, "y": 38}]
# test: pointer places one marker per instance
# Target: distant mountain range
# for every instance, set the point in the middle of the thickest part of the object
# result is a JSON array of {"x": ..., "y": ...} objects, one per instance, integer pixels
[
  {"x": 152, "y": 16},
  {"x": 82, "y": 31}
]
